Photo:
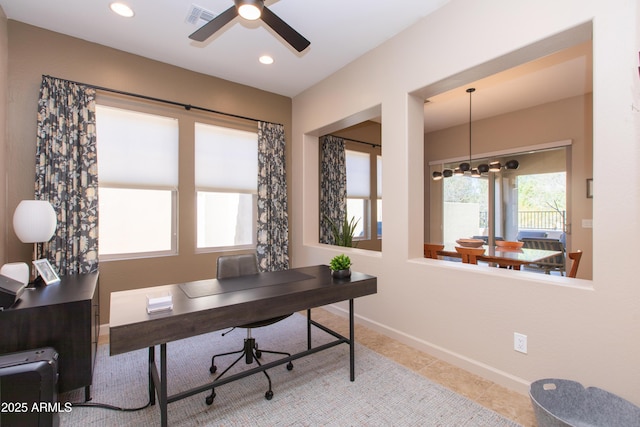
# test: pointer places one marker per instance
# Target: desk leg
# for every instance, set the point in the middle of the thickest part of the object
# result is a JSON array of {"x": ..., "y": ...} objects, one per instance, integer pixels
[
  {"x": 308, "y": 329},
  {"x": 163, "y": 385},
  {"x": 152, "y": 388},
  {"x": 352, "y": 342}
]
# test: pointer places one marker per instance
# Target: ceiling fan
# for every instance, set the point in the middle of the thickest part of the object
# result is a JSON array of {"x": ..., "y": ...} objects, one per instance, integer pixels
[{"x": 252, "y": 10}]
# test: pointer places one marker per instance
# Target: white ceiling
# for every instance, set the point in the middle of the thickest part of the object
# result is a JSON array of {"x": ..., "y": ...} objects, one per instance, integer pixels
[
  {"x": 561, "y": 75},
  {"x": 339, "y": 31}
]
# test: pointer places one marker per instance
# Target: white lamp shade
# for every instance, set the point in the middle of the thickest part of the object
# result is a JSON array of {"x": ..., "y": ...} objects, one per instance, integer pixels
[{"x": 34, "y": 221}]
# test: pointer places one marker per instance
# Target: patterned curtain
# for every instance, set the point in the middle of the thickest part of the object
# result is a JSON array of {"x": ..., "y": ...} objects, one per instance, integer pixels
[
  {"x": 333, "y": 186},
  {"x": 66, "y": 173},
  {"x": 273, "y": 222}
]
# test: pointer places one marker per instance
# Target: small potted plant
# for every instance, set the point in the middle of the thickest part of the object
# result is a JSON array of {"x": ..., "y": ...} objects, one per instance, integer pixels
[
  {"x": 343, "y": 231},
  {"x": 340, "y": 266}
]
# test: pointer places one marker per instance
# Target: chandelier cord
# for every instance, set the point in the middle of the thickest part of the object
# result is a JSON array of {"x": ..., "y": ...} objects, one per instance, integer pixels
[
  {"x": 470, "y": 91},
  {"x": 470, "y": 128}
]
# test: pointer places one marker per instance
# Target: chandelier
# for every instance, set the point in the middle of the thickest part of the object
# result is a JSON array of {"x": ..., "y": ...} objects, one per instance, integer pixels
[{"x": 465, "y": 168}]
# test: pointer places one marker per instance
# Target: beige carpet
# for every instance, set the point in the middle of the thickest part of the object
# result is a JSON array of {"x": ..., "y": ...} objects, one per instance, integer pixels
[{"x": 317, "y": 392}]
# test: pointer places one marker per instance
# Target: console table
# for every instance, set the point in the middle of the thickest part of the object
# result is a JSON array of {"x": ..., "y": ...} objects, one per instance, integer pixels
[{"x": 63, "y": 316}]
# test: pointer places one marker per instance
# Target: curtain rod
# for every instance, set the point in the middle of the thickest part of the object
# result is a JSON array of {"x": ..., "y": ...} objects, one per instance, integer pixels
[
  {"x": 165, "y": 101},
  {"x": 355, "y": 140}
]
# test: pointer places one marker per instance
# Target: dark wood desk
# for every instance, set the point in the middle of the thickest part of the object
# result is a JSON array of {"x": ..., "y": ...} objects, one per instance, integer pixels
[
  {"x": 232, "y": 302},
  {"x": 64, "y": 316},
  {"x": 506, "y": 257}
]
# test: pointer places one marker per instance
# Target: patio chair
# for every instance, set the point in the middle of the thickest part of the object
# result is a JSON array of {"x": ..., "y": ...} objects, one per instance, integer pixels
[{"x": 556, "y": 263}]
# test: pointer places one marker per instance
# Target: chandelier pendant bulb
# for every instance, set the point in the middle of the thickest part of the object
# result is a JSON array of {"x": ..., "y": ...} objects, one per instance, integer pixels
[{"x": 512, "y": 164}]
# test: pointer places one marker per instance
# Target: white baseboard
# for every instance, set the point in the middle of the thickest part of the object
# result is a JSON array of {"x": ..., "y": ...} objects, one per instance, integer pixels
[{"x": 492, "y": 374}]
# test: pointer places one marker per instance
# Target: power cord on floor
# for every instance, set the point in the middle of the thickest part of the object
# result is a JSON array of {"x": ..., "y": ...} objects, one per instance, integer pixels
[{"x": 107, "y": 406}]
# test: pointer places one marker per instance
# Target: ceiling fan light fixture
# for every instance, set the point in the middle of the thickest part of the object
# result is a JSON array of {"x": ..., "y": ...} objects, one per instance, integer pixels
[
  {"x": 447, "y": 173},
  {"x": 483, "y": 168},
  {"x": 250, "y": 9},
  {"x": 437, "y": 176}
]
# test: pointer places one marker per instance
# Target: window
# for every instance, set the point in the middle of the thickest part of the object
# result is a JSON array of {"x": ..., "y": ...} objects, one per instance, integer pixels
[
  {"x": 532, "y": 198},
  {"x": 138, "y": 172},
  {"x": 465, "y": 206},
  {"x": 358, "y": 190},
  {"x": 226, "y": 171}
]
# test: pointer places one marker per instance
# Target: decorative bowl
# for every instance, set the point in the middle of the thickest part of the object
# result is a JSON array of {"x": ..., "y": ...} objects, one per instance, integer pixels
[
  {"x": 470, "y": 243},
  {"x": 508, "y": 244}
]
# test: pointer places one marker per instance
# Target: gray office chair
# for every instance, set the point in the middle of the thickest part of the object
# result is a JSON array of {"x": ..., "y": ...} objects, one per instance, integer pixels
[{"x": 234, "y": 266}]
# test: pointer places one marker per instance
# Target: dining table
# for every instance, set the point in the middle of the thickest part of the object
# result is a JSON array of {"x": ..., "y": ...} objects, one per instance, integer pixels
[{"x": 505, "y": 257}]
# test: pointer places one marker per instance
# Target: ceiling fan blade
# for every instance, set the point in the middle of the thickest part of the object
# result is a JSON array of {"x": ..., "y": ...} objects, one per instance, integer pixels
[
  {"x": 290, "y": 35},
  {"x": 208, "y": 29}
]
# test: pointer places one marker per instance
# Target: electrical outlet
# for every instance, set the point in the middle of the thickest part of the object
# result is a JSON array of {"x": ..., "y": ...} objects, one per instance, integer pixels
[{"x": 520, "y": 342}]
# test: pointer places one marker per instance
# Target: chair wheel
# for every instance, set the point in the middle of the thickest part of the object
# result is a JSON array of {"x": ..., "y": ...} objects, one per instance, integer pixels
[
  {"x": 258, "y": 354},
  {"x": 268, "y": 395},
  {"x": 213, "y": 369},
  {"x": 209, "y": 398},
  {"x": 289, "y": 366}
]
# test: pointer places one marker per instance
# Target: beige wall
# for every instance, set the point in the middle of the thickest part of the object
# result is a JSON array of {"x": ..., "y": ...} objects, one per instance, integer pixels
[
  {"x": 577, "y": 329},
  {"x": 568, "y": 119},
  {"x": 4, "y": 71},
  {"x": 34, "y": 52}
]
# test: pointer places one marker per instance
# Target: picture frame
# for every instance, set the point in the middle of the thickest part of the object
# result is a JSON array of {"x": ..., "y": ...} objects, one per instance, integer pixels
[
  {"x": 589, "y": 188},
  {"x": 46, "y": 271}
]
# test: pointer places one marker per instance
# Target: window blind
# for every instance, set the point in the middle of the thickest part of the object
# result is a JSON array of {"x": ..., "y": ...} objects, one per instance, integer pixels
[
  {"x": 136, "y": 148},
  {"x": 226, "y": 158},
  {"x": 358, "y": 175}
]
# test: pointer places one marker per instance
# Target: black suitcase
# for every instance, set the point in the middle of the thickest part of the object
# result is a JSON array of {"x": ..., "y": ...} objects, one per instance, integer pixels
[{"x": 28, "y": 388}]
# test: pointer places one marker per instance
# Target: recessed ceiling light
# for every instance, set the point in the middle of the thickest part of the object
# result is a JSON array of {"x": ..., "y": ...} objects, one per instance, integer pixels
[
  {"x": 122, "y": 9},
  {"x": 266, "y": 59}
]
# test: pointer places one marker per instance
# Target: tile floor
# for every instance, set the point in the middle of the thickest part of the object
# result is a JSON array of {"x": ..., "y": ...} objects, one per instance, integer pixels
[{"x": 510, "y": 404}]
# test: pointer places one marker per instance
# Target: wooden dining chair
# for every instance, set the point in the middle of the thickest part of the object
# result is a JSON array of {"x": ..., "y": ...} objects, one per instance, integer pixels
[
  {"x": 431, "y": 250},
  {"x": 469, "y": 255},
  {"x": 575, "y": 257}
]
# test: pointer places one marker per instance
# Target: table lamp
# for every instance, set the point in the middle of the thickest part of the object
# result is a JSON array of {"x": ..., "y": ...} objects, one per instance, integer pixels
[{"x": 34, "y": 221}]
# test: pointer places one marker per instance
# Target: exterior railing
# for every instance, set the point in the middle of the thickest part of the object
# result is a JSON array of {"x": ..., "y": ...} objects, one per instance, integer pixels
[
  {"x": 541, "y": 220},
  {"x": 538, "y": 220}
]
